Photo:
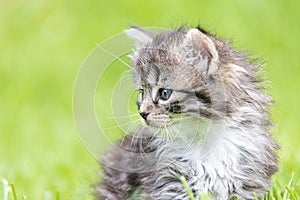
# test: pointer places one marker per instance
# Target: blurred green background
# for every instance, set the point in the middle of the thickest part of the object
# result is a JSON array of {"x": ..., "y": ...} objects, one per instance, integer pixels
[{"x": 44, "y": 42}]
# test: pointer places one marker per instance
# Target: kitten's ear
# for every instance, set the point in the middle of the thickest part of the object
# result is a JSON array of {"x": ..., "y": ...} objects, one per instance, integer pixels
[
  {"x": 197, "y": 36},
  {"x": 139, "y": 35}
]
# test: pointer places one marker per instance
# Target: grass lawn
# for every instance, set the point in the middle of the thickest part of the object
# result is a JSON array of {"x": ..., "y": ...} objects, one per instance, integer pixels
[{"x": 42, "y": 46}]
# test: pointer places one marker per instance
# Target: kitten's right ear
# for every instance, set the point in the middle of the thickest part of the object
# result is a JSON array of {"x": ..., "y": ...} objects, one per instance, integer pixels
[
  {"x": 197, "y": 36},
  {"x": 201, "y": 38},
  {"x": 139, "y": 35}
]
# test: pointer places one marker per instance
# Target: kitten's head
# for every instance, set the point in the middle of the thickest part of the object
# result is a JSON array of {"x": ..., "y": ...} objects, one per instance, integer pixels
[{"x": 185, "y": 73}]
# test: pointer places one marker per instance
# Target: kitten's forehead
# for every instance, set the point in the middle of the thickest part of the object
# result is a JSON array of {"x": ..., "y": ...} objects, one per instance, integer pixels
[
  {"x": 175, "y": 77},
  {"x": 170, "y": 60},
  {"x": 163, "y": 49}
]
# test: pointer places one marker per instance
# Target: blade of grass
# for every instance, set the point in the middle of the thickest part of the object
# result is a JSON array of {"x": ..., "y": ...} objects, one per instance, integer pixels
[
  {"x": 290, "y": 193},
  {"x": 205, "y": 197},
  {"x": 285, "y": 196},
  {"x": 255, "y": 197},
  {"x": 187, "y": 188},
  {"x": 12, "y": 187},
  {"x": 276, "y": 193},
  {"x": 5, "y": 189}
]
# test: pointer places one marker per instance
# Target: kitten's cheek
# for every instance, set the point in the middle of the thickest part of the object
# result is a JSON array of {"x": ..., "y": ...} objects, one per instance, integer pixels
[{"x": 144, "y": 122}]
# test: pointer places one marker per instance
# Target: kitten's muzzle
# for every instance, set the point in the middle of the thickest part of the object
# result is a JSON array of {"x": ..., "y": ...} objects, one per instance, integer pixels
[{"x": 144, "y": 115}]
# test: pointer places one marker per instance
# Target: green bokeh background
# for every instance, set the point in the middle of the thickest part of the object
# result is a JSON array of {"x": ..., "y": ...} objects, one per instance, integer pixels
[{"x": 44, "y": 42}]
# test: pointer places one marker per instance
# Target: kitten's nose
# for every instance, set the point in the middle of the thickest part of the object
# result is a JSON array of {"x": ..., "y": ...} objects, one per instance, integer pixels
[{"x": 144, "y": 115}]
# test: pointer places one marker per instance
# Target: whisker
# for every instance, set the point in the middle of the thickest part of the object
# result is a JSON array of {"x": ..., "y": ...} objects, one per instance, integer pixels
[
  {"x": 170, "y": 135},
  {"x": 182, "y": 134},
  {"x": 115, "y": 56},
  {"x": 127, "y": 132},
  {"x": 120, "y": 125},
  {"x": 123, "y": 117}
]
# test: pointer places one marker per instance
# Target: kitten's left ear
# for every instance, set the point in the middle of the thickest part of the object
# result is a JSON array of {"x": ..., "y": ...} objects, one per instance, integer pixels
[
  {"x": 139, "y": 35},
  {"x": 201, "y": 38}
]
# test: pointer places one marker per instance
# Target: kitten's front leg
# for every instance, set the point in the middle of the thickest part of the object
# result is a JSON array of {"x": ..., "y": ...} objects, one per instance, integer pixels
[
  {"x": 123, "y": 168},
  {"x": 116, "y": 184},
  {"x": 167, "y": 190}
]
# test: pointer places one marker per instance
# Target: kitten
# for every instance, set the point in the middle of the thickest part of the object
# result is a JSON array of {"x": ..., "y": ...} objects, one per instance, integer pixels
[{"x": 205, "y": 119}]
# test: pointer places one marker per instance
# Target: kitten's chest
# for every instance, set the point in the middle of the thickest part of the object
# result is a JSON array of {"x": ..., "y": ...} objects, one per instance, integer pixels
[{"x": 215, "y": 157}]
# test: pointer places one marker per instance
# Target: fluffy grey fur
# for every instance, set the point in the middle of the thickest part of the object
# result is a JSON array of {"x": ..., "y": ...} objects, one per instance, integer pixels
[{"x": 205, "y": 119}]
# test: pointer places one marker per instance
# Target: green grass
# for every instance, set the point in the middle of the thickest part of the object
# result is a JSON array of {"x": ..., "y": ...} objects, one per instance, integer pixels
[
  {"x": 280, "y": 192},
  {"x": 290, "y": 191},
  {"x": 43, "y": 43}
]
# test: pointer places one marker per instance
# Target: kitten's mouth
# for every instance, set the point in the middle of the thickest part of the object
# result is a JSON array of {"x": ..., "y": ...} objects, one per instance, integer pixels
[{"x": 158, "y": 120}]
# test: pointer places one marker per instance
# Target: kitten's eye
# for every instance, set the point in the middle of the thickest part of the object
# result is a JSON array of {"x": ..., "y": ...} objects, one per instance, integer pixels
[{"x": 164, "y": 94}]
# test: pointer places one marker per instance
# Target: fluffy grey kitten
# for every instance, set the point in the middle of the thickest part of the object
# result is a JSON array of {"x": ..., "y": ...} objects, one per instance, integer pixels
[{"x": 205, "y": 120}]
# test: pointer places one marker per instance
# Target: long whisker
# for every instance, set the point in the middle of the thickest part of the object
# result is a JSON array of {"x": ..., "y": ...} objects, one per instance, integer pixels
[
  {"x": 182, "y": 133},
  {"x": 181, "y": 118},
  {"x": 124, "y": 117},
  {"x": 115, "y": 56},
  {"x": 171, "y": 133},
  {"x": 127, "y": 132},
  {"x": 120, "y": 125}
]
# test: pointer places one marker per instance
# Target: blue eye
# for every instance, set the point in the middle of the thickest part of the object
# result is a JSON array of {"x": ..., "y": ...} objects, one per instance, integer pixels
[{"x": 164, "y": 94}]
